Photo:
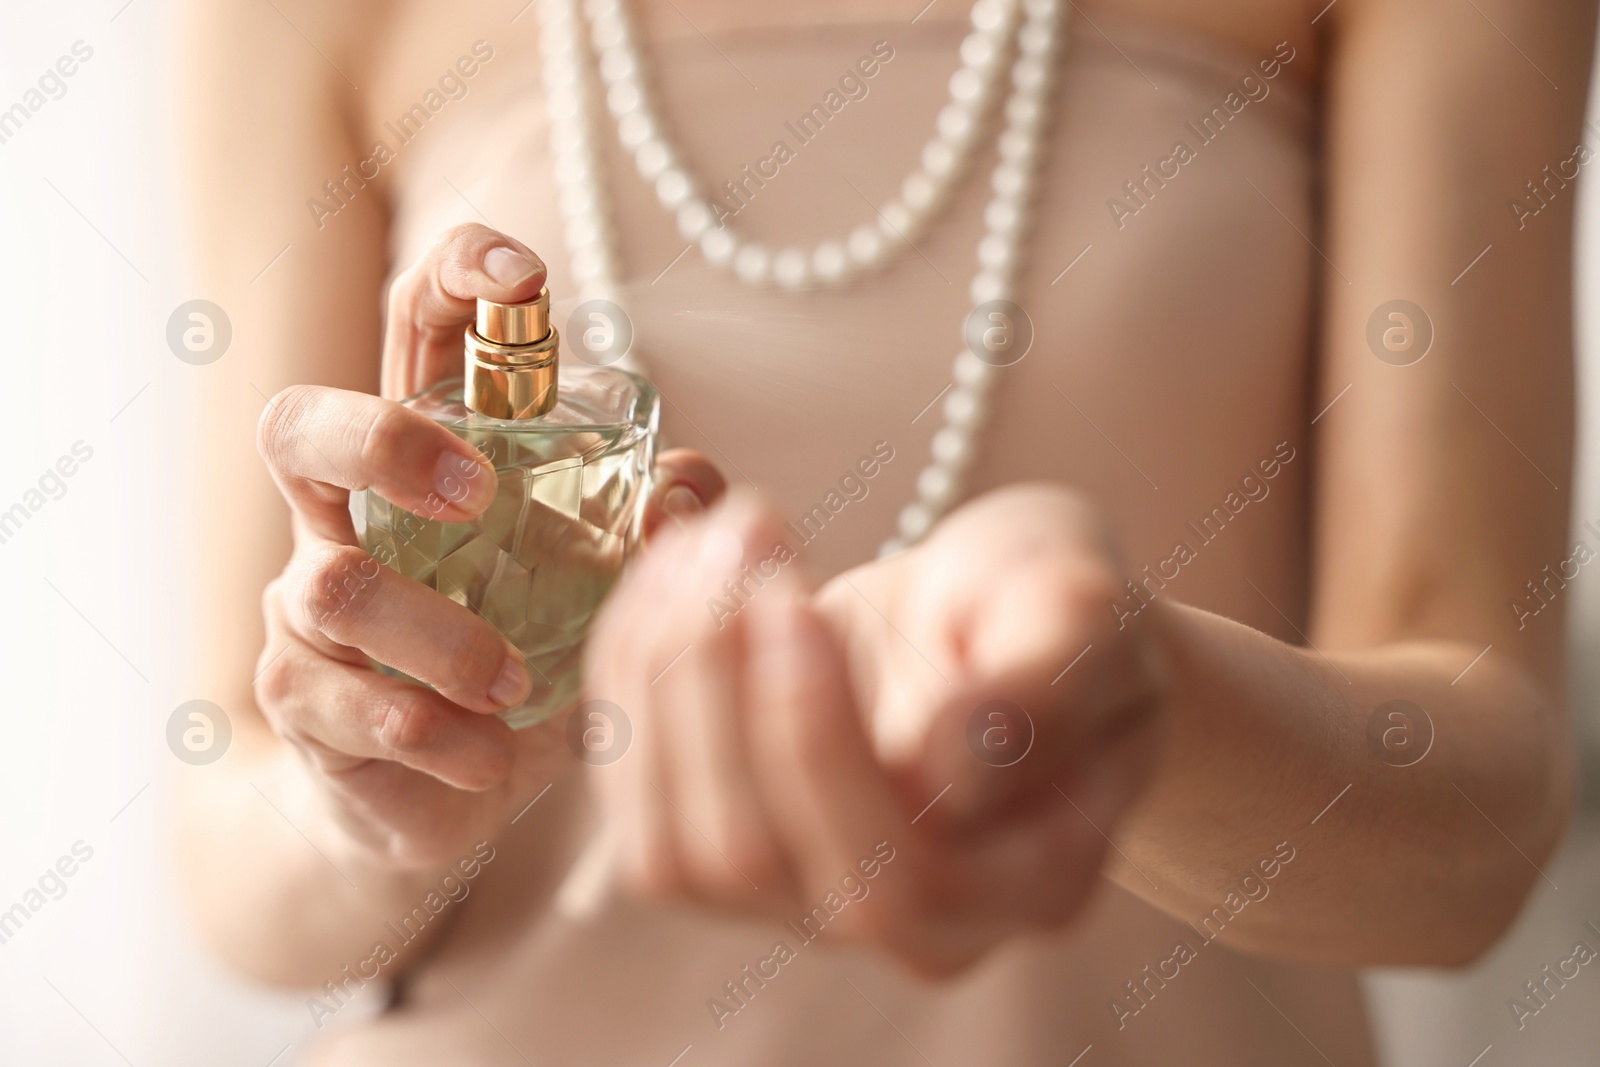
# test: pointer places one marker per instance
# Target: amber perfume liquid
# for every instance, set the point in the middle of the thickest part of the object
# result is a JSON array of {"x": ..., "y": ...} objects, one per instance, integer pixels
[{"x": 568, "y": 512}]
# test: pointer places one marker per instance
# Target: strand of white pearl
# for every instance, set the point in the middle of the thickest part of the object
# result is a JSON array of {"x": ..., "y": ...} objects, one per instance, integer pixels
[
  {"x": 575, "y": 154},
  {"x": 589, "y": 239},
  {"x": 961, "y": 128},
  {"x": 1007, "y": 221}
]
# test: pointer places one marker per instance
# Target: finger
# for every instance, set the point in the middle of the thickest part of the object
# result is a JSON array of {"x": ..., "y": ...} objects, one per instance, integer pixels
[
  {"x": 632, "y": 791},
  {"x": 435, "y": 298},
  {"x": 1051, "y": 675},
  {"x": 828, "y": 796},
  {"x": 321, "y": 443},
  {"x": 725, "y": 841},
  {"x": 338, "y": 713},
  {"x": 341, "y": 595},
  {"x": 686, "y": 484}
]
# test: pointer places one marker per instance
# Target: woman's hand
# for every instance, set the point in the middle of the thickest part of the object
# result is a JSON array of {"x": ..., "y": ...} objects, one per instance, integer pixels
[
  {"x": 969, "y": 707},
  {"x": 414, "y": 775}
]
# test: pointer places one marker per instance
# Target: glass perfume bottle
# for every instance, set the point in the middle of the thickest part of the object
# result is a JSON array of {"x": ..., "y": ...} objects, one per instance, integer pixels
[{"x": 572, "y": 455}]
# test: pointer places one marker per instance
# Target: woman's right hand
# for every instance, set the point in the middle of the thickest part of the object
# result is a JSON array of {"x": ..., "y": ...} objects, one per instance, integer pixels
[{"x": 415, "y": 776}]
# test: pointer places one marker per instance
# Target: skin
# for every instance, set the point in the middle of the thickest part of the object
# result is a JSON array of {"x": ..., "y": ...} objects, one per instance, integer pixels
[{"x": 1183, "y": 730}]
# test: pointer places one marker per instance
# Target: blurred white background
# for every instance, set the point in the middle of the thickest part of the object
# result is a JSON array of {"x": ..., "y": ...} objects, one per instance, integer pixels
[{"x": 94, "y": 636}]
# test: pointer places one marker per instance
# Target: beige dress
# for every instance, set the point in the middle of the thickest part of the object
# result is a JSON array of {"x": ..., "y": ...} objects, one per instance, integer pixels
[{"x": 1170, "y": 359}]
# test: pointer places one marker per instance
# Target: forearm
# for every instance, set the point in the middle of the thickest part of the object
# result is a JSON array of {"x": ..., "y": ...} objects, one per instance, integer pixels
[
  {"x": 277, "y": 889},
  {"x": 1422, "y": 863}
]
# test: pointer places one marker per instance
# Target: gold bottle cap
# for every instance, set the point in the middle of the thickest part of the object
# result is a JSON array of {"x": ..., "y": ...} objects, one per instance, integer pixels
[
  {"x": 511, "y": 355},
  {"x": 515, "y": 324}
]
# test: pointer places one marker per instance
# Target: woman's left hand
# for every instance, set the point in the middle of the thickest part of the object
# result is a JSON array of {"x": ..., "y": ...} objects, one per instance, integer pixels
[{"x": 970, "y": 709}]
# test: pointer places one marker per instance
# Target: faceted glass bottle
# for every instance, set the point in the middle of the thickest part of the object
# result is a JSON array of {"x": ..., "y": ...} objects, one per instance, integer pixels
[{"x": 573, "y": 474}]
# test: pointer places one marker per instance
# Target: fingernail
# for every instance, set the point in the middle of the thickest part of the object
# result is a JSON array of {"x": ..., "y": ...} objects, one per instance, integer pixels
[
  {"x": 513, "y": 683},
  {"x": 508, "y": 266},
  {"x": 464, "y": 482},
  {"x": 681, "y": 502}
]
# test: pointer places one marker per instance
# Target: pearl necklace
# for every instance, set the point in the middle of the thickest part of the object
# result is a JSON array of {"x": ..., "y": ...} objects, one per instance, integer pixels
[{"x": 570, "y": 97}]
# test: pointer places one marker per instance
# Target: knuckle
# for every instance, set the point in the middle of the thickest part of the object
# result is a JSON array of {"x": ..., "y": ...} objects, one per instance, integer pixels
[
  {"x": 384, "y": 442},
  {"x": 338, "y": 582},
  {"x": 404, "y": 727},
  {"x": 461, "y": 239},
  {"x": 275, "y": 680}
]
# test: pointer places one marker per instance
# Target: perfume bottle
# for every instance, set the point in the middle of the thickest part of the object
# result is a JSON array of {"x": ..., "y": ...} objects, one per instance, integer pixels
[{"x": 572, "y": 455}]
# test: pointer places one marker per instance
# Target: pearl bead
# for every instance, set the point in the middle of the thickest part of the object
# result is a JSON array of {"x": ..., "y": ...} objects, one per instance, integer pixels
[
  {"x": 997, "y": 253},
  {"x": 617, "y": 63},
  {"x": 672, "y": 188},
  {"x": 694, "y": 219},
  {"x": 918, "y": 191},
  {"x": 915, "y": 520},
  {"x": 936, "y": 485},
  {"x": 956, "y": 123},
  {"x": 560, "y": 74},
  {"x": 892, "y": 547},
  {"x": 1016, "y": 147},
  {"x": 623, "y": 97},
  {"x": 894, "y": 219},
  {"x": 717, "y": 246},
  {"x": 829, "y": 261},
  {"x": 790, "y": 268},
  {"x": 1002, "y": 215},
  {"x": 865, "y": 244},
  {"x": 978, "y": 50},
  {"x": 986, "y": 286},
  {"x": 1007, "y": 179},
  {"x": 1024, "y": 112},
  {"x": 988, "y": 14},
  {"x": 634, "y": 129},
  {"x": 952, "y": 448},
  {"x": 652, "y": 158},
  {"x": 575, "y": 200},
  {"x": 607, "y": 31},
  {"x": 970, "y": 372},
  {"x": 1028, "y": 75},
  {"x": 938, "y": 158},
  {"x": 572, "y": 169},
  {"x": 751, "y": 263},
  {"x": 1035, "y": 40},
  {"x": 966, "y": 85},
  {"x": 561, "y": 108},
  {"x": 963, "y": 407},
  {"x": 583, "y": 230},
  {"x": 585, "y": 263}
]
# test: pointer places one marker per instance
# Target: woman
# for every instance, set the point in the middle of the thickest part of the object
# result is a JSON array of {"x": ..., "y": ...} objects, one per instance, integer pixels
[{"x": 1246, "y": 538}]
